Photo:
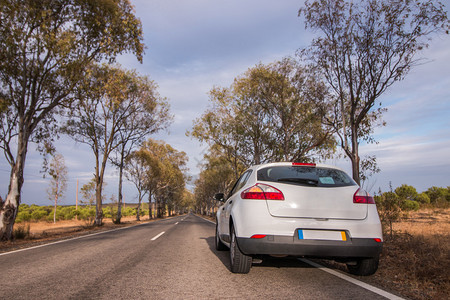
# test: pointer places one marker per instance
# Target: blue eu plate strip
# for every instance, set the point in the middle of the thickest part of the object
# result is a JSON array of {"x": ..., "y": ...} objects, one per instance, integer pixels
[{"x": 300, "y": 234}]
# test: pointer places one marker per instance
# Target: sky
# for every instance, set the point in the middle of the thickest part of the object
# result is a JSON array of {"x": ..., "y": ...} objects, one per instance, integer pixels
[{"x": 194, "y": 45}]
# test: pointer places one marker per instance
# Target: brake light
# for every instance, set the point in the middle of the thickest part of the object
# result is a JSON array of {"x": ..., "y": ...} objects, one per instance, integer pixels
[
  {"x": 262, "y": 192},
  {"x": 304, "y": 164},
  {"x": 361, "y": 196},
  {"x": 378, "y": 240}
]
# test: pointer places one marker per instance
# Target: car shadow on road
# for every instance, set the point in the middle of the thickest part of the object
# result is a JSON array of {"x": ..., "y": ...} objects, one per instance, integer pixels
[
  {"x": 223, "y": 256},
  {"x": 267, "y": 261}
]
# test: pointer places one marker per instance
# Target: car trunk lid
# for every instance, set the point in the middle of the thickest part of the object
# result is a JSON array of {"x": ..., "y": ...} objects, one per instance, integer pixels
[{"x": 317, "y": 202}]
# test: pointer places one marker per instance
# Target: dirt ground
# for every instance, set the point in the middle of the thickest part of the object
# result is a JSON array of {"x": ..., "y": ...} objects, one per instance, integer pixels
[{"x": 415, "y": 260}]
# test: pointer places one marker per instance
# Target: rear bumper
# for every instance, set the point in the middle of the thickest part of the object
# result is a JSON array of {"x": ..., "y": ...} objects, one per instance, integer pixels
[{"x": 290, "y": 245}]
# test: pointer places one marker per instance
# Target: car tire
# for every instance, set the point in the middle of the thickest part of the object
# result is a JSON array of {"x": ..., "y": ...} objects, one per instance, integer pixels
[
  {"x": 219, "y": 245},
  {"x": 364, "y": 267},
  {"x": 240, "y": 263}
]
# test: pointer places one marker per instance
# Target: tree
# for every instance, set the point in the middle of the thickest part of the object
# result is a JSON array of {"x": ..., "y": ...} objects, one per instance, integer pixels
[
  {"x": 438, "y": 195},
  {"x": 364, "y": 48},
  {"x": 272, "y": 112},
  {"x": 58, "y": 181},
  {"x": 216, "y": 176},
  {"x": 136, "y": 172},
  {"x": 165, "y": 179},
  {"x": 146, "y": 113},
  {"x": 46, "y": 46},
  {"x": 407, "y": 192},
  {"x": 389, "y": 208},
  {"x": 88, "y": 192},
  {"x": 109, "y": 103}
]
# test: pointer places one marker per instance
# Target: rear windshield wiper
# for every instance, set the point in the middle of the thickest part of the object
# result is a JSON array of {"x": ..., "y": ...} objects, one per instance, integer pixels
[{"x": 300, "y": 181}]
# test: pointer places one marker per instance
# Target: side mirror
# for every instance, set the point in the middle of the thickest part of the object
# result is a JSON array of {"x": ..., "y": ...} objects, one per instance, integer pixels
[{"x": 219, "y": 197}]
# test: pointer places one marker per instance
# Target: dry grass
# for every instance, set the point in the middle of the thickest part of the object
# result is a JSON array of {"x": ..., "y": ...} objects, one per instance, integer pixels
[
  {"x": 416, "y": 259},
  {"x": 45, "y": 228}
]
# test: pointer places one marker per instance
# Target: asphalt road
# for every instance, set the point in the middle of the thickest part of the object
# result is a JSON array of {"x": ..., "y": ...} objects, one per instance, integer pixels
[{"x": 141, "y": 263}]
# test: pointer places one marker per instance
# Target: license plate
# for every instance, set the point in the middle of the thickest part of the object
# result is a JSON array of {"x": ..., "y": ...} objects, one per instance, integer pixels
[{"x": 327, "y": 235}]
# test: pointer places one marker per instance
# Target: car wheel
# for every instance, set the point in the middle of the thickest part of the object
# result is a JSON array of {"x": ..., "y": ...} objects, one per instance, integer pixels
[
  {"x": 240, "y": 263},
  {"x": 219, "y": 245},
  {"x": 364, "y": 267}
]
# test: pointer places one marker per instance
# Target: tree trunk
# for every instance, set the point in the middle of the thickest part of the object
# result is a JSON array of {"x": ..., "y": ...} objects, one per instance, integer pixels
[
  {"x": 98, "y": 207},
  {"x": 138, "y": 210},
  {"x": 120, "y": 197},
  {"x": 54, "y": 210},
  {"x": 9, "y": 207},
  {"x": 150, "y": 206},
  {"x": 355, "y": 156},
  {"x": 158, "y": 208}
]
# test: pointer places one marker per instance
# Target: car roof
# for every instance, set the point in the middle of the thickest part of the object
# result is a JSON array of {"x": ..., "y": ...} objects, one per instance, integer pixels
[{"x": 288, "y": 164}]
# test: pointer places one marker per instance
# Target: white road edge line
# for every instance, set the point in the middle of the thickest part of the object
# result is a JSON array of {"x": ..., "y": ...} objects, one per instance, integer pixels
[
  {"x": 205, "y": 219},
  {"x": 71, "y": 239},
  {"x": 176, "y": 223},
  {"x": 158, "y": 236},
  {"x": 353, "y": 280}
]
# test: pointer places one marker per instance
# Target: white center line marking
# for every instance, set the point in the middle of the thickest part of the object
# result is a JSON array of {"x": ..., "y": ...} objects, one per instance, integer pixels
[
  {"x": 158, "y": 236},
  {"x": 352, "y": 280}
]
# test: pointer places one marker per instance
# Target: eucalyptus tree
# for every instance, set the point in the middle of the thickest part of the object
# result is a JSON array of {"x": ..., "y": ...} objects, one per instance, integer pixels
[
  {"x": 136, "y": 172},
  {"x": 45, "y": 47},
  {"x": 147, "y": 113},
  {"x": 58, "y": 181},
  {"x": 165, "y": 169},
  {"x": 217, "y": 175},
  {"x": 362, "y": 49},
  {"x": 272, "y": 112},
  {"x": 114, "y": 110}
]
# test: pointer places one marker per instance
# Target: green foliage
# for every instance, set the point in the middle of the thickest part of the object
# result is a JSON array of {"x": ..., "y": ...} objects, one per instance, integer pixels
[
  {"x": 45, "y": 48},
  {"x": 410, "y": 205},
  {"x": 406, "y": 192},
  {"x": 128, "y": 211},
  {"x": 423, "y": 199},
  {"x": 217, "y": 176},
  {"x": 438, "y": 195},
  {"x": 86, "y": 213},
  {"x": 272, "y": 112},
  {"x": 164, "y": 176}
]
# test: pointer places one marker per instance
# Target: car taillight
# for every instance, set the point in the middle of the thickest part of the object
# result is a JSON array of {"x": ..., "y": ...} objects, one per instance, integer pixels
[
  {"x": 262, "y": 192},
  {"x": 361, "y": 196}
]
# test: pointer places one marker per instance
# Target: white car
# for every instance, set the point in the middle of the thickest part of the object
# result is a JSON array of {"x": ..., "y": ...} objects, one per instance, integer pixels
[{"x": 297, "y": 209}]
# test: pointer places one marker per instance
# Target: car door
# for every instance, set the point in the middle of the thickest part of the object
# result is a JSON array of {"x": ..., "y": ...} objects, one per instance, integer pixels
[{"x": 226, "y": 208}]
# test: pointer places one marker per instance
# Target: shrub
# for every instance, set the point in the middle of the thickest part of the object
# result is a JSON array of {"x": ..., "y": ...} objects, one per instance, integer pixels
[
  {"x": 128, "y": 211},
  {"x": 86, "y": 213},
  {"x": 423, "y": 198},
  {"x": 21, "y": 232},
  {"x": 23, "y": 216},
  {"x": 410, "y": 205},
  {"x": 39, "y": 214}
]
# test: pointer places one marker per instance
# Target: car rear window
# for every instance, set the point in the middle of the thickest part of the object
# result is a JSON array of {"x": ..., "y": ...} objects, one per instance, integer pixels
[{"x": 306, "y": 176}]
